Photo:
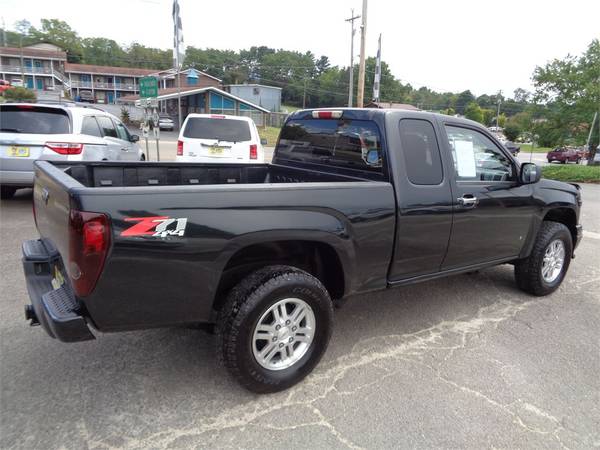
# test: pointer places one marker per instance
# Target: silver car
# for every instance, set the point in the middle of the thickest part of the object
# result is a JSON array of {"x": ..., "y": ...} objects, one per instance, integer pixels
[{"x": 57, "y": 132}]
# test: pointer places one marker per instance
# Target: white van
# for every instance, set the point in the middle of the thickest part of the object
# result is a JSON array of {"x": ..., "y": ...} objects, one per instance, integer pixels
[{"x": 218, "y": 138}]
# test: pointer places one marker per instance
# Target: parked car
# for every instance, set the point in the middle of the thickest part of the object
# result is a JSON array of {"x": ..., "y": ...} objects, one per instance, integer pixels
[
  {"x": 86, "y": 97},
  {"x": 29, "y": 132},
  {"x": 17, "y": 82},
  {"x": 165, "y": 122},
  {"x": 513, "y": 148},
  {"x": 219, "y": 138},
  {"x": 4, "y": 85},
  {"x": 563, "y": 155},
  {"x": 356, "y": 200}
]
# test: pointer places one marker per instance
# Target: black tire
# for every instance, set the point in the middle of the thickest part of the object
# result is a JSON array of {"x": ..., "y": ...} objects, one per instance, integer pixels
[
  {"x": 528, "y": 271},
  {"x": 7, "y": 192},
  {"x": 245, "y": 305}
]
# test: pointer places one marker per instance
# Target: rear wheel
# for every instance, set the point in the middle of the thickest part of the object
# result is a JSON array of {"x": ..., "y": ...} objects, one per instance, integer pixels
[
  {"x": 274, "y": 328},
  {"x": 544, "y": 270},
  {"x": 7, "y": 192}
]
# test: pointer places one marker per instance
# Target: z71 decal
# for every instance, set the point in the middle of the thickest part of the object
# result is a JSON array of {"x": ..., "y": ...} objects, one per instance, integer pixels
[{"x": 157, "y": 226}]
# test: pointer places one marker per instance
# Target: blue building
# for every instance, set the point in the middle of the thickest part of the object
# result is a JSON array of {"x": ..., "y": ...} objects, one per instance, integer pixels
[{"x": 266, "y": 96}]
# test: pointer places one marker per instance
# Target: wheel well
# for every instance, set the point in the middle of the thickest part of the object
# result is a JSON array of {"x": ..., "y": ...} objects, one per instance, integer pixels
[
  {"x": 565, "y": 216},
  {"x": 318, "y": 259}
]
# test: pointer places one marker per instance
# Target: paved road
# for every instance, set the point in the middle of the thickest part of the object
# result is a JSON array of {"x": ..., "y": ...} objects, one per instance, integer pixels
[{"x": 464, "y": 362}]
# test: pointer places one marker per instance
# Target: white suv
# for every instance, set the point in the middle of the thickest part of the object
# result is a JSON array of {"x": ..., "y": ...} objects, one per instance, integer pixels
[
  {"x": 218, "y": 138},
  {"x": 58, "y": 132}
]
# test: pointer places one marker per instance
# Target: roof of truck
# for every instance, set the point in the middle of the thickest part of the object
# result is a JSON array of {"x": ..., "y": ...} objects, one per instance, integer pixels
[{"x": 384, "y": 111}]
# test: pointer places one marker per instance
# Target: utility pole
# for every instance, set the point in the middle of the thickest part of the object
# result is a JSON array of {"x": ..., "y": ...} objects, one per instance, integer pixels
[
  {"x": 352, "y": 33},
  {"x": 304, "y": 95},
  {"x": 498, "y": 113},
  {"x": 361, "y": 68},
  {"x": 3, "y": 33}
]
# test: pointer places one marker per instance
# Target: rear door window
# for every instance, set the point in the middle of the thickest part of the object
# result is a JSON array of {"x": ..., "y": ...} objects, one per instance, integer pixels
[
  {"x": 90, "y": 127},
  {"x": 107, "y": 126},
  {"x": 34, "y": 120},
  {"x": 122, "y": 131},
  {"x": 229, "y": 130},
  {"x": 421, "y": 152},
  {"x": 347, "y": 143}
]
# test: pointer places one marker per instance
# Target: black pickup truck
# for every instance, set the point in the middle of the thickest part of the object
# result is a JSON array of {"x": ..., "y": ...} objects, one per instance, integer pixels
[{"x": 355, "y": 200}]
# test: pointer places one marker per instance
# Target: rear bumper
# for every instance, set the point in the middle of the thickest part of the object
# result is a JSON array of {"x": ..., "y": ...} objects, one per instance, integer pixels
[
  {"x": 16, "y": 178},
  {"x": 56, "y": 309}
]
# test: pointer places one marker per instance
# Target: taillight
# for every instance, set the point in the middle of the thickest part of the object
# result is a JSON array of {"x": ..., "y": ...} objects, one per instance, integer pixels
[
  {"x": 253, "y": 151},
  {"x": 327, "y": 114},
  {"x": 89, "y": 240},
  {"x": 179, "y": 148},
  {"x": 217, "y": 116},
  {"x": 65, "y": 148}
]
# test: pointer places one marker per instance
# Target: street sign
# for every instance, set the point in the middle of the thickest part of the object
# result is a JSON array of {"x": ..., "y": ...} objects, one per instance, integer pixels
[{"x": 148, "y": 87}]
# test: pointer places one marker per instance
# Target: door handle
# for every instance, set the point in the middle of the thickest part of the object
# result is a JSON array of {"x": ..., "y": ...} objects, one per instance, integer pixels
[
  {"x": 124, "y": 149},
  {"x": 467, "y": 201}
]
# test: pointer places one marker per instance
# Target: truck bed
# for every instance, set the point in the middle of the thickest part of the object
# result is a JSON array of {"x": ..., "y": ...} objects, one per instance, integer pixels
[
  {"x": 118, "y": 174},
  {"x": 229, "y": 210}
]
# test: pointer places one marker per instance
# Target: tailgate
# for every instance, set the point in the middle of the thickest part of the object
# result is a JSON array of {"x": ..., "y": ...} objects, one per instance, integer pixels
[{"x": 51, "y": 203}]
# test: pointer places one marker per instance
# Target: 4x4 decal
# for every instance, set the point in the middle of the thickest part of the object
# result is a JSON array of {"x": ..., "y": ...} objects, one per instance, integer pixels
[{"x": 156, "y": 226}]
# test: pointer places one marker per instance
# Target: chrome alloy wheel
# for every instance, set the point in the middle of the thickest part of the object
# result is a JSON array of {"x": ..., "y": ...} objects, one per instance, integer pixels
[
  {"x": 283, "y": 334},
  {"x": 554, "y": 260}
]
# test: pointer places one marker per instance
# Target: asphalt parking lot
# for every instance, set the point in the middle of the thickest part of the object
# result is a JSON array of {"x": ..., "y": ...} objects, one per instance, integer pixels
[{"x": 463, "y": 362}]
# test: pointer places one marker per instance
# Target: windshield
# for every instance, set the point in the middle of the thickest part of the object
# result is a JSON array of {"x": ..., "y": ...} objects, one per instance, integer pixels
[
  {"x": 220, "y": 129},
  {"x": 33, "y": 119}
]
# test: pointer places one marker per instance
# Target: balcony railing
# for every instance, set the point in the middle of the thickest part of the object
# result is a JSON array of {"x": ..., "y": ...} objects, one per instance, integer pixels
[
  {"x": 27, "y": 69},
  {"x": 103, "y": 85}
]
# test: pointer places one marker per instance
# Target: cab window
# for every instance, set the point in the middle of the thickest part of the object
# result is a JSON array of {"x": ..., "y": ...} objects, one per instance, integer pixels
[
  {"x": 477, "y": 158},
  {"x": 122, "y": 131},
  {"x": 107, "y": 126}
]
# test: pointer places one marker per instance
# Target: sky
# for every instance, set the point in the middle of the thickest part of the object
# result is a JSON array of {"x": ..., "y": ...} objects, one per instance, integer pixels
[{"x": 450, "y": 45}]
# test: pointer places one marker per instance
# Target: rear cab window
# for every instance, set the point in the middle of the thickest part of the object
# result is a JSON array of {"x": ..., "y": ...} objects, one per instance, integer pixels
[
  {"x": 343, "y": 143},
  {"x": 421, "y": 152},
  {"x": 229, "y": 130},
  {"x": 33, "y": 119}
]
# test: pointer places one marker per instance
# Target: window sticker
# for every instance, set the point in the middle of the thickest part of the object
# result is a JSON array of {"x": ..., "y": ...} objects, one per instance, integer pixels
[{"x": 465, "y": 159}]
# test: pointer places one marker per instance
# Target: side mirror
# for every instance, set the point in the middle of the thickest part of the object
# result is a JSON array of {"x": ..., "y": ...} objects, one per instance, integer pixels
[
  {"x": 263, "y": 142},
  {"x": 530, "y": 173},
  {"x": 135, "y": 138}
]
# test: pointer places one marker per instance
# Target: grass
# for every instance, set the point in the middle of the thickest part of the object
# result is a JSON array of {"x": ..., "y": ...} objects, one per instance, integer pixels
[
  {"x": 270, "y": 134},
  {"x": 574, "y": 173},
  {"x": 289, "y": 108},
  {"x": 526, "y": 148}
]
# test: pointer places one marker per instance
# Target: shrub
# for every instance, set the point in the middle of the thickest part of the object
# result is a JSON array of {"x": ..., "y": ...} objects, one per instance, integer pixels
[{"x": 19, "y": 94}]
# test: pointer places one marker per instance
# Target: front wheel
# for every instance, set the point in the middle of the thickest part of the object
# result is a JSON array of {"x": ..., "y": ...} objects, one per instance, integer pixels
[
  {"x": 274, "y": 328},
  {"x": 544, "y": 270}
]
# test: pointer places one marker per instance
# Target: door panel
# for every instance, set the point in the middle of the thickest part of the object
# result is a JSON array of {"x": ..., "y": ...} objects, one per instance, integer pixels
[
  {"x": 424, "y": 199},
  {"x": 492, "y": 212},
  {"x": 128, "y": 148}
]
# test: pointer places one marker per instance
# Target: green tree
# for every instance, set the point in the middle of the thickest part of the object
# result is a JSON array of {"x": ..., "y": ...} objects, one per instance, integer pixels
[
  {"x": 59, "y": 32},
  {"x": 464, "y": 99},
  {"x": 473, "y": 111},
  {"x": 512, "y": 131},
  {"x": 569, "y": 88},
  {"x": 104, "y": 52}
]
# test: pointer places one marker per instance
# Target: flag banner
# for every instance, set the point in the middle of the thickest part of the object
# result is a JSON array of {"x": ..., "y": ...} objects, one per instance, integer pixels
[
  {"x": 377, "y": 80},
  {"x": 178, "y": 48}
]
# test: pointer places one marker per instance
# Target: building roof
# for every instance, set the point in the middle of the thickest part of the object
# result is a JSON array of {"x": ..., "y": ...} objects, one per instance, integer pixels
[
  {"x": 167, "y": 73},
  {"x": 107, "y": 70},
  {"x": 254, "y": 85},
  {"x": 391, "y": 105},
  {"x": 35, "y": 52},
  {"x": 169, "y": 93}
]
